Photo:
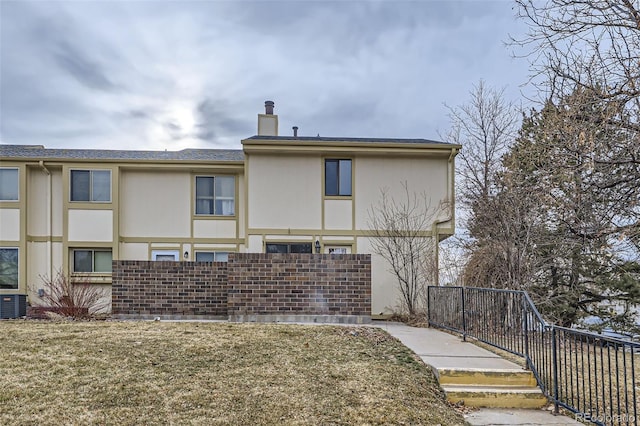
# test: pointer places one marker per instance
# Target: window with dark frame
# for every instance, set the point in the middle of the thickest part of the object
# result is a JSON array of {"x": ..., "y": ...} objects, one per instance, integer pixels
[
  {"x": 212, "y": 256},
  {"x": 215, "y": 196},
  {"x": 8, "y": 268},
  {"x": 92, "y": 261},
  {"x": 91, "y": 185},
  {"x": 285, "y": 248},
  {"x": 9, "y": 184},
  {"x": 337, "y": 178}
]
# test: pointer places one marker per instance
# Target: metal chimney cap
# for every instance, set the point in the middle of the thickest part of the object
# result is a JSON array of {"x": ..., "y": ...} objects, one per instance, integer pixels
[{"x": 268, "y": 107}]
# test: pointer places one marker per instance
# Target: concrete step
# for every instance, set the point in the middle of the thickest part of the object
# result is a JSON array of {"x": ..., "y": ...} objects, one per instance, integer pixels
[
  {"x": 485, "y": 377},
  {"x": 496, "y": 396}
]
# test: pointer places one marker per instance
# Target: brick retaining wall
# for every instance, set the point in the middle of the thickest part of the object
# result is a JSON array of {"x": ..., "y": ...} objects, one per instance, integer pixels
[
  {"x": 299, "y": 284},
  {"x": 248, "y": 287},
  {"x": 146, "y": 288}
]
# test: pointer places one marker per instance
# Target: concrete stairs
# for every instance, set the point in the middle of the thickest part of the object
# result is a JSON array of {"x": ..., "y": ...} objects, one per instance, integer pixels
[{"x": 491, "y": 387}]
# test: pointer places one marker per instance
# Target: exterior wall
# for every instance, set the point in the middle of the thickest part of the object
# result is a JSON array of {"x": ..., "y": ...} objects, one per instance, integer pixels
[
  {"x": 286, "y": 203},
  {"x": 279, "y": 198},
  {"x": 421, "y": 175},
  {"x": 299, "y": 284},
  {"x": 169, "y": 288},
  {"x": 285, "y": 192},
  {"x": 248, "y": 285},
  {"x": 155, "y": 204}
]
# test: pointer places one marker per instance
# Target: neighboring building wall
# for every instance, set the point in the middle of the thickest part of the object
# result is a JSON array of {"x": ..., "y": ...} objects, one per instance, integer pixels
[
  {"x": 248, "y": 287},
  {"x": 146, "y": 288}
]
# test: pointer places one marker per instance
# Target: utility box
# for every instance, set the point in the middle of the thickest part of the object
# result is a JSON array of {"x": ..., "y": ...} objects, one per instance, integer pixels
[{"x": 13, "y": 306}]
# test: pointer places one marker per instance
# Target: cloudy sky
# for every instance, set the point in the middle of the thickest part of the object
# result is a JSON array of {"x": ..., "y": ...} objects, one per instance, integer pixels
[{"x": 176, "y": 74}]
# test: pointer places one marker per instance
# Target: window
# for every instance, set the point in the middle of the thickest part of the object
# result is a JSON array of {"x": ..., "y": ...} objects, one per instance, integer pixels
[
  {"x": 215, "y": 195},
  {"x": 337, "y": 178},
  {"x": 161, "y": 255},
  {"x": 91, "y": 185},
  {"x": 9, "y": 185},
  {"x": 210, "y": 256},
  {"x": 92, "y": 261},
  {"x": 289, "y": 248},
  {"x": 339, "y": 250},
  {"x": 8, "y": 268}
]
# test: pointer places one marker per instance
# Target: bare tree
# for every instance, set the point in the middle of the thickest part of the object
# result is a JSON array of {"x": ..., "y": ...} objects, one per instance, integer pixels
[
  {"x": 485, "y": 127},
  {"x": 400, "y": 229},
  {"x": 586, "y": 44}
]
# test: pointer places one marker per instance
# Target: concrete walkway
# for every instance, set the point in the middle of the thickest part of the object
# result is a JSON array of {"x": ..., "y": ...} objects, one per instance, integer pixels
[{"x": 443, "y": 350}]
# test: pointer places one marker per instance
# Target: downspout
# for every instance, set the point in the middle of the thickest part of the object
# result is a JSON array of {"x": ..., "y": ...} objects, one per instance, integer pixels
[
  {"x": 449, "y": 217},
  {"x": 49, "y": 219}
]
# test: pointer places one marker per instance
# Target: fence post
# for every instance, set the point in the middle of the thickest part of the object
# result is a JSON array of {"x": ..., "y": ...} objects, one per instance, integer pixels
[
  {"x": 554, "y": 347},
  {"x": 429, "y": 305},
  {"x": 526, "y": 331},
  {"x": 464, "y": 318}
]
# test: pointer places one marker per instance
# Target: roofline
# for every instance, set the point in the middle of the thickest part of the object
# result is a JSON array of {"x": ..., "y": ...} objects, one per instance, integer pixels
[{"x": 309, "y": 145}]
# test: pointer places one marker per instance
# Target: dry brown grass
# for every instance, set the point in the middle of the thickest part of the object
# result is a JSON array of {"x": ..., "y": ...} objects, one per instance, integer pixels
[{"x": 129, "y": 373}]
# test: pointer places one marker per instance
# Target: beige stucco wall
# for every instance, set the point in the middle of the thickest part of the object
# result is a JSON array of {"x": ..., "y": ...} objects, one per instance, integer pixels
[
  {"x": 213, "y": 228},
  {"x": 134, "y": 251},
  {"x": 373, "y": 174},
  {"x": 90, "y": 225},
  {"x": 10, "y": 225},
  {"x": 284, "y": 191},
  {"x": 155, "y": 203},
  {"x": 338, "y": 214},
  {"x": 38, "y": 201}
]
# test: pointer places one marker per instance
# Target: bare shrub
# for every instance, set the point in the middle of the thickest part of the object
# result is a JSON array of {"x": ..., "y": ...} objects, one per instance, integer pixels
[{"x": 77, "y": 298}]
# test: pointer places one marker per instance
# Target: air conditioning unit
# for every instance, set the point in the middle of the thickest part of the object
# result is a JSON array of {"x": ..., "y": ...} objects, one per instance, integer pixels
[{"x": 13, "y": 306}]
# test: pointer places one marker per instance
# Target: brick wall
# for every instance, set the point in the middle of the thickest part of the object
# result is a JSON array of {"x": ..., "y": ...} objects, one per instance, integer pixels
[
  {"x": 146, "y": 288},
  {"x": 250, "y": 285},
  {"x": 299, "y": 284}
]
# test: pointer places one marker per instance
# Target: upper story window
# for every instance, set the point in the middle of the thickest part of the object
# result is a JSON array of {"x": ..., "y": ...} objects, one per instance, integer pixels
[
  {"x": 8, "y": 268},
  {"x": 215, "y": 195},
  {"x": 9, "y": 184},
  {"x": 91, "y": 185},
  {"x": 92, "y": 261},
  {"x": 337, "y": 178}
]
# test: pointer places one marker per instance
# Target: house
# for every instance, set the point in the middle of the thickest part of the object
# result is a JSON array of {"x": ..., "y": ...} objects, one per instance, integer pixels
[{"x": 76, "y": 210}]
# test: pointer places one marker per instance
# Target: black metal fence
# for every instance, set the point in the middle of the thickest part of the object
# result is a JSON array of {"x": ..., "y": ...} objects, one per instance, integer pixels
[{"x": 594, "y": 376}]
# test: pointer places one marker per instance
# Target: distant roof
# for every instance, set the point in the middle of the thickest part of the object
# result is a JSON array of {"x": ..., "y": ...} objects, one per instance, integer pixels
[
  {"x": 338, "y": 139},
  {"x": 39, "y": 152}
]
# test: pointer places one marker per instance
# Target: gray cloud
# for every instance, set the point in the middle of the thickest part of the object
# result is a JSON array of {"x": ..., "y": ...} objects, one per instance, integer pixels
[{"x": 195, "y": 74}]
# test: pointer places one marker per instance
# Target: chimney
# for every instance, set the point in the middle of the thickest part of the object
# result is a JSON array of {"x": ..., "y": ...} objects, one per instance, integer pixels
[
  {"x": 268, "y": 122},
  {"x": 295, "y": 131}
]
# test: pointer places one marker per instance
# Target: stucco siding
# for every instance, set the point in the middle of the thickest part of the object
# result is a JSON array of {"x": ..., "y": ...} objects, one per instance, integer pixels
[
  {"x": 372, "y": 175},
  {"x": 285, "y": 192},
  {"x": 214, "y": 228},
  {"x": 155, "y": 204},
  {"x": 90, "y": 225},
  {"x": 338, "y": 214},
  {"x": 10, "y": 228}
]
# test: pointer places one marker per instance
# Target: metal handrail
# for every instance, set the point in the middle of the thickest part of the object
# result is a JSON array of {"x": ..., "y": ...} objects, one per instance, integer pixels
[{"x": 591, "y": 375}]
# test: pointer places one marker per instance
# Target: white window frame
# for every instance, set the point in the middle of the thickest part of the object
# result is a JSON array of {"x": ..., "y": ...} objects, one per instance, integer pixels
[
  {"x": 90, "y": 200},
  {"x": 174, "y": 253},
  {"x": 17, "y": 249},
  {"x": 18, "y": 188},
  {"x": 93, "y": 261}
]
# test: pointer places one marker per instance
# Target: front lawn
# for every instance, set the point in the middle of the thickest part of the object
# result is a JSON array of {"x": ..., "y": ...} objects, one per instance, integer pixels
[{"x": 131, "y": 373}]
